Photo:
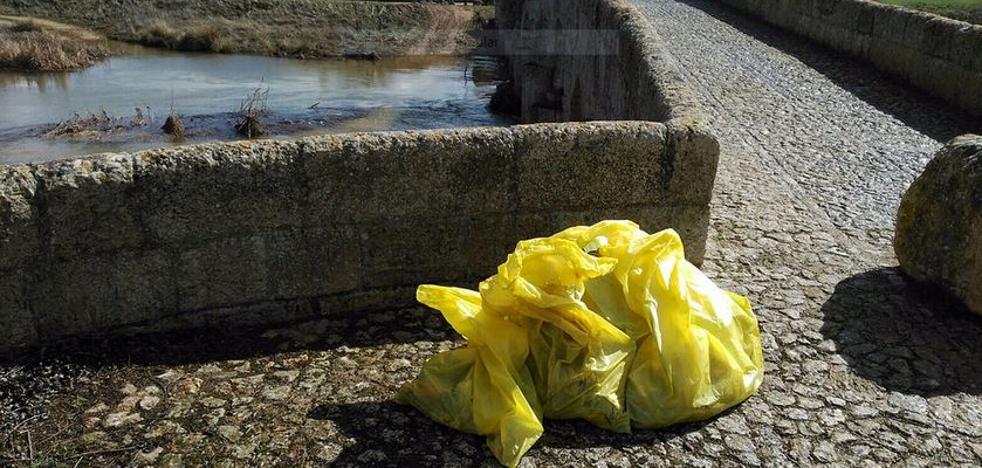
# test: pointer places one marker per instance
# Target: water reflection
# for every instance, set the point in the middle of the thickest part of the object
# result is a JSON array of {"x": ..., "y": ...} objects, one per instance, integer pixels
[
  {"x": 40, "y": 81},
  {"x": 305, "y": 97}
]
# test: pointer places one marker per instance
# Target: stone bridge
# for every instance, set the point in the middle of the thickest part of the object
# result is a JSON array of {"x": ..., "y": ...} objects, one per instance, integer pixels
[{"x": 864, "y": 367}]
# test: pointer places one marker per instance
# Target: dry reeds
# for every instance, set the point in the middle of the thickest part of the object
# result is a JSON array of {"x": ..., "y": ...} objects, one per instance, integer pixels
[
  {"x": 27, "y": 46},
  {"x": 92, "y": 123},
  {"x": 25, "y": 26},
  {"x": 200, "y": 38},
  {"x": 252, "y": 108},
  {"x": 174, "y": 126}
]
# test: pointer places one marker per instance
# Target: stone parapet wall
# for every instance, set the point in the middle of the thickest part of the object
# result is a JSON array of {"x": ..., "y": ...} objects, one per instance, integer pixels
[
  {"x": 629, "y": 76},
  {"x": 265, "y": 232},
  {"x": 939, "y": 55},
  {"x": 272, "y": 231}
]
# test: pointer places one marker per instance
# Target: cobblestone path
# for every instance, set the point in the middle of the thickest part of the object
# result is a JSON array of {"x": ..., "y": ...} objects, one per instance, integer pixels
[
  {"x": 816, "y": 153},
  {"x": 864, "y": 368}
]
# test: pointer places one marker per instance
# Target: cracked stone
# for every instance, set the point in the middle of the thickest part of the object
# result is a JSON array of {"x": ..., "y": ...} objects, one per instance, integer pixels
[
  {"x": 287, "y": 376},
  {"x": 212, "y": 402},
  {"x": 149, "y": 402},
  {"x": 230, "y": 433},
  {"x": 738, "y": 442},
  {"x": 147, "y": 458},
  {"x": 120, "y": 419},
  {"x": 277, "y": 393}
]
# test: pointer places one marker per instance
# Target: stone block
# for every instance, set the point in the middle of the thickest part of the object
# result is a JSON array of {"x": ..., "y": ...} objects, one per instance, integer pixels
[
  {"x": 936, "y": 74},
  {"x": 219, "y": 190},
  {"x": 890, "y": 57},
  {"x": 890, "y": 24},
  {"x": 846, "y": 15},
  {"x": 966, "y": 48},
  {"x": 579, "y": 166},
  {"x": 313, "y": 261},
  {"x": 865, "y": 17},
  {"x": 377, "y": 299},
  {"x": 693, "y": 157},
  {"x": 916, "y": 34},
  {"x": 19, "y": 222},
  {"x": 411, "y": 251},
  {"x": 958, "y": 84},
  {"x": 266, "y": 313},
  {"x": 223, "y": 272},
  {"x": 374, "y": 176},
  {"x": 971, "y": 91},
  {"x": 19, "y": 327},
  {"x": 98, "y": 293},
  {"x": 85, "y": 206}
]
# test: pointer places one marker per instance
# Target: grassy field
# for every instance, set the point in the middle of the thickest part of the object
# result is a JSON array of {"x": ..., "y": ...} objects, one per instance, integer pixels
[
  {"x": 298, "y": 28},
  {"x": 965, "y": 10},
  {"x": 38, "y": 45}
]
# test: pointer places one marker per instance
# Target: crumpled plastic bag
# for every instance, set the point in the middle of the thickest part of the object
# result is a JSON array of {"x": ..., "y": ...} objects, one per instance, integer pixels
[{"x": 605, "y": 323}]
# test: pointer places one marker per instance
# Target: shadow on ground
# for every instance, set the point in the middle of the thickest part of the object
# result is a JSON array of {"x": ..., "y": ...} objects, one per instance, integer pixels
[
  {"x": 28, "y": 381},
  {"x": 927, "y": 114},
  {"x": 203, "y": 345},
  {"x": 906, "y": 336},
  {"x": 386, "y": 433}
]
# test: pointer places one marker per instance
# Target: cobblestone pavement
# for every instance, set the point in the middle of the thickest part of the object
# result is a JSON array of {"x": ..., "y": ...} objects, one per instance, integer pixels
[{"x": 863, "y": 367}]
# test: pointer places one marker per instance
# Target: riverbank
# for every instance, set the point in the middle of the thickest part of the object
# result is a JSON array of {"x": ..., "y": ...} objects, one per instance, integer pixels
[
  {"x": 294, "y": 28},
  {"x": 28, "y": 44},
  {"x": 121, "y": 104}
]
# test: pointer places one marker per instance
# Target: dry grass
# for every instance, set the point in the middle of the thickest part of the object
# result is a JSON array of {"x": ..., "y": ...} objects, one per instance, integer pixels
[
  {"x": 174, "y": 126},
  {"x": 297, "y": 28},
  {"x": 88, "y": 125},
  {"x": 255, "y": 105},
  {"x": 30, "y": 46},
  {"x": 199, "y": 38}
]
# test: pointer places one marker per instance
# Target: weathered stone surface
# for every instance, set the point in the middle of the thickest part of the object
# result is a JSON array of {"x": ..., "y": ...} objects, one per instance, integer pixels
[
  {"x": 628, "y": 76},
  {"x": 122, "y": 240},
  {"x": 18, "y": 216},
  {"x": 101, "y": 292},
  {"x": 460, "y": 249},
  {"x": 86, "y": 209},
  {"x": 19, "y": 326},
  {"x": 193, "y": 194},
  {"x": 937, "y": 54},
  {"x": 374, "y": 176},
  {"x": 580, "y": 167},
  {"x": 939, "y": 225}
]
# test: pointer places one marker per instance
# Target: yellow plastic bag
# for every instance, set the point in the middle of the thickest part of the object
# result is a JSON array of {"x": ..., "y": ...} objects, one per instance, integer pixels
[
  {"x": 606, "y": 323},
  {"x": 578, "y": 361},
  {"x": 484, "y": 388}
]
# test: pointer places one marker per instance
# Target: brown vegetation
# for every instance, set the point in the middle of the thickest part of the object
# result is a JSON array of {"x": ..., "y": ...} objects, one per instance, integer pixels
[
  {"x": 201, "y": 38},
  {"x": 174, "y": 126},
  {"x": 251, "y": 109},
  {"x": 297, "y": 28},
  {"x": 34, "y": 46},
  {"x": 83, "y": 126}
]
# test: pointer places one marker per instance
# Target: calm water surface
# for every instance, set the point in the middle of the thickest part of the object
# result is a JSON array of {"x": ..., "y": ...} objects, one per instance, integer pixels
[{"x": 305, "y": 97}]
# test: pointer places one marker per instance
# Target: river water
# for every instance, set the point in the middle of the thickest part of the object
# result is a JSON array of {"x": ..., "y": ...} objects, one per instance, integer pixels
[{"x": 303, "y": 97}]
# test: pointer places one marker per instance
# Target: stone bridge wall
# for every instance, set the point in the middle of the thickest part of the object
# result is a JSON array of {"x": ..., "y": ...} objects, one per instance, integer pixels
[
  {"x": 271, "y": 231},
  {"x": 633, "y": 79},
  {"x": 939, "y": 55},
  {"x": 265, "y": 232}
]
